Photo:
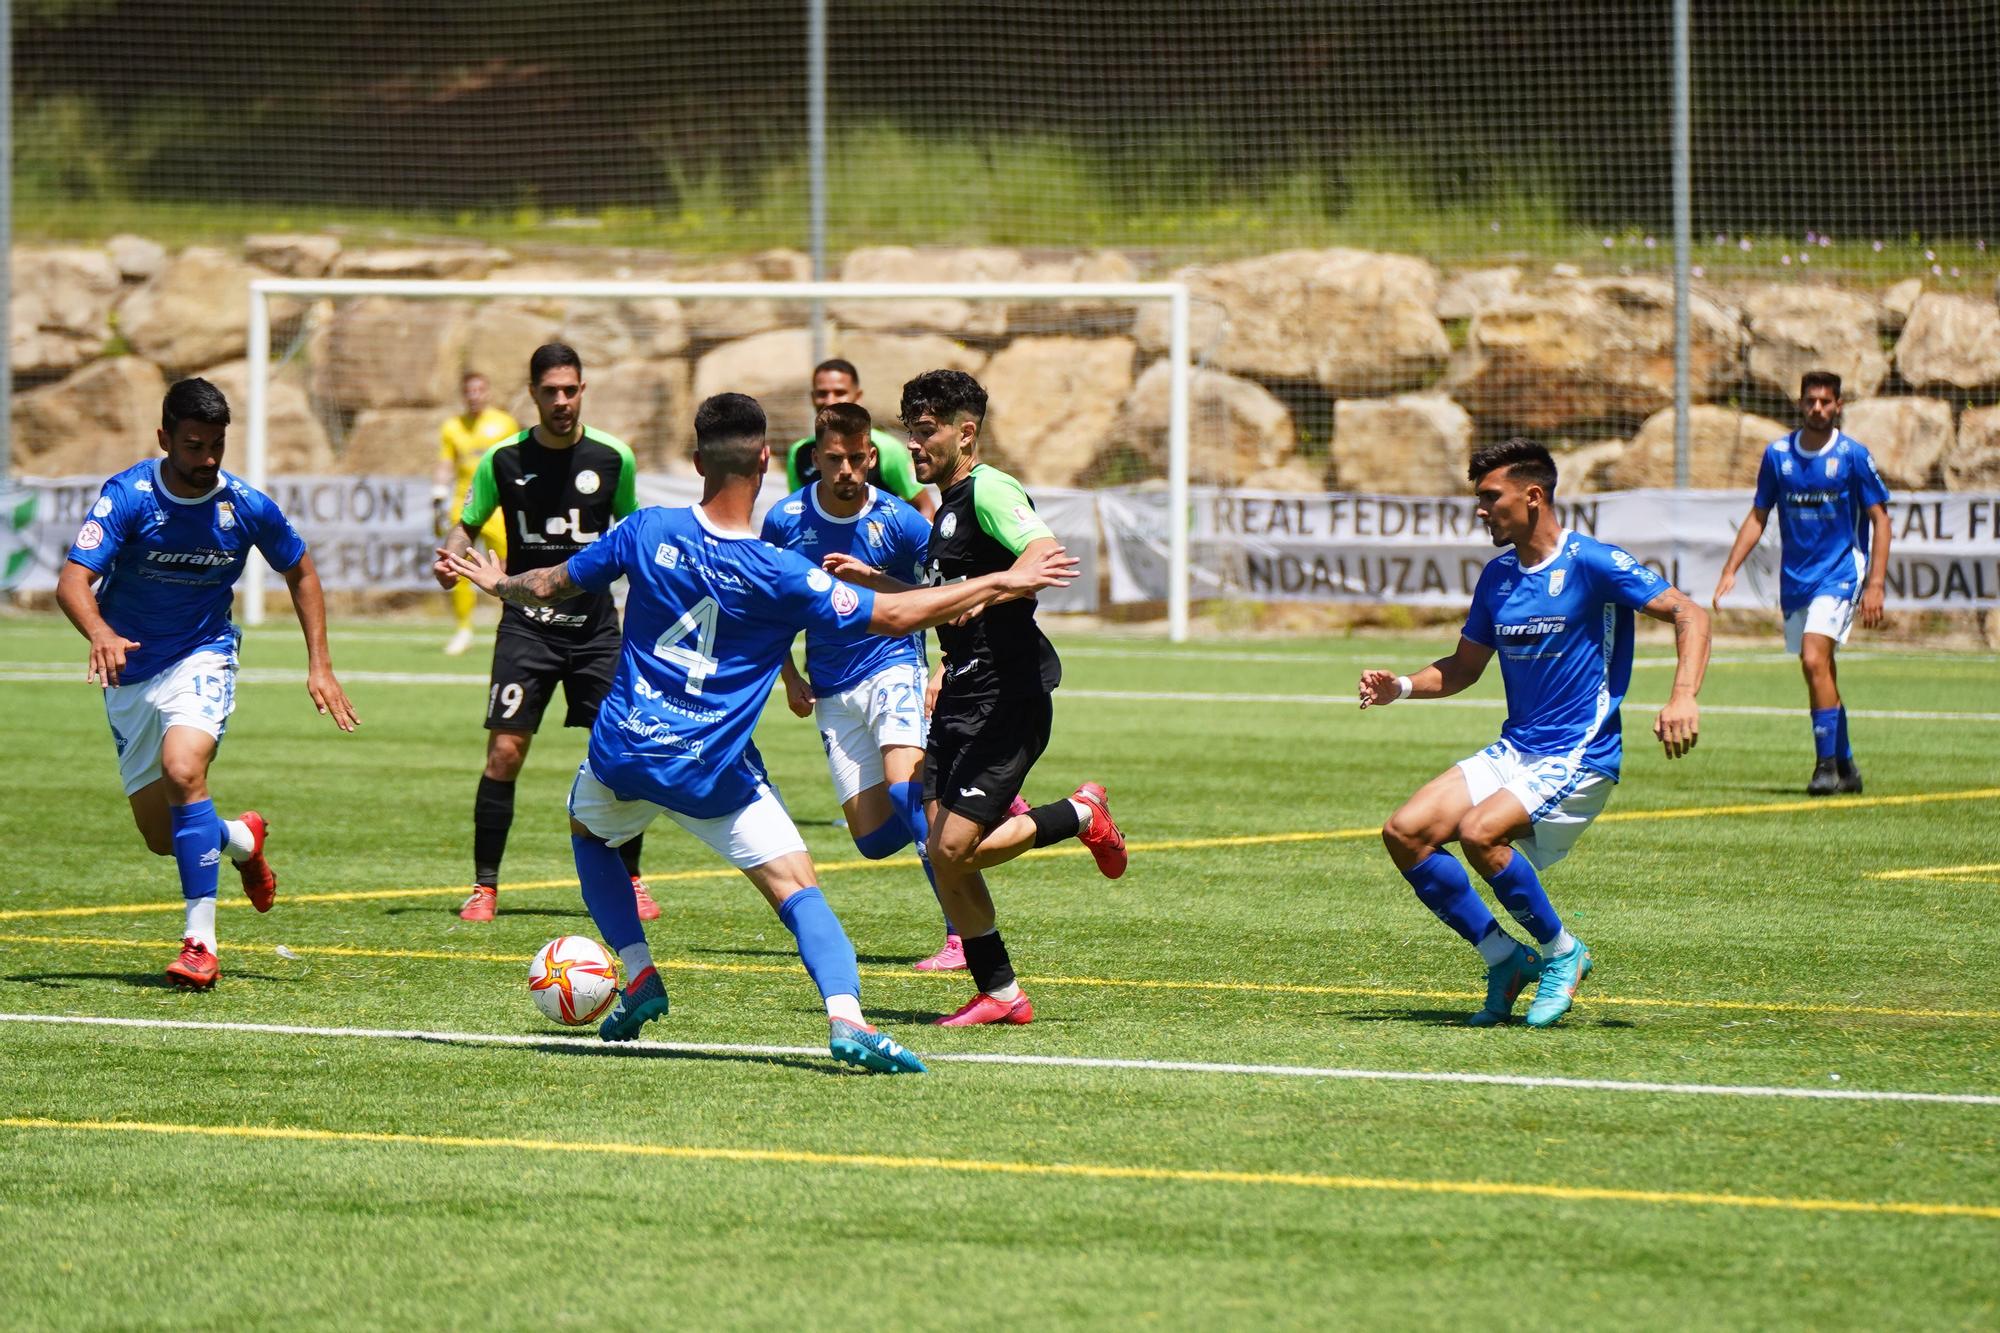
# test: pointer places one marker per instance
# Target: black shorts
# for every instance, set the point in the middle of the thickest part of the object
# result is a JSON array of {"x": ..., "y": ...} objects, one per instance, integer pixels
[
  {"x": 980, "y": 753},
  {"x": 526, "y": 669}
]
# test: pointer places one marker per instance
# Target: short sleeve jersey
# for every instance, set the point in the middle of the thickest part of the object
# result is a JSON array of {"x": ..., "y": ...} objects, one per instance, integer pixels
[
  {"x": 462, "y": 443},
  {"x": 556, "y": 502},
  {"x": 887, "y": 534},
  {"x": 169, "y": 563},
  {"x": 709, "y": 616},
  {"x": 1563, "y": 630},
  {"x": 894, "y": 470},
  {"x": 1822, "y": 501},
  {"x": 982, "y": 525}
]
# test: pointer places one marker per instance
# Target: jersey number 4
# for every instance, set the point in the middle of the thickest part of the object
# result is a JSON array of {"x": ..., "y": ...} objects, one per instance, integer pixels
[{"x": 698, "y": 659}]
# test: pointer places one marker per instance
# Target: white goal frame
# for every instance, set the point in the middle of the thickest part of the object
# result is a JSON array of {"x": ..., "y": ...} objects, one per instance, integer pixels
[{"x": 257, "y": 453}]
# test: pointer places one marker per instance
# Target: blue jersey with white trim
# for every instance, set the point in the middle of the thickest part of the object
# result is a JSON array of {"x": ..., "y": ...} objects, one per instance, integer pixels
[
  {"x": 1563, "y": 630},
  {"x": 709, "y": 616},
  {"x": 888, "y": 534},
  {"x": 1822, "y": 499},
  {"x": 168, "y": 564}
]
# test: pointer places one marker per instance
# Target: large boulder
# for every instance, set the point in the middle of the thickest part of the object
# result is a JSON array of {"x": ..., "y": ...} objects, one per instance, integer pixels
[
  {"x": 383, "y": 352},
  {"x": 1950, "y": 342},
  {"x": 60, "y": 312},
  {"x": 467, "y": 264},
  {"x": 1909, "y": 437},
  {"x": 771, "y": 367},
  {"x": 1974, "y": 463},
  {"x": 100, "y": 420},
  {"x": 1725, "y": 448},
  {"x": 294, "y": 254},
  {"x": 1414, "y": 444},
  {"x": 194, "y": 313},
  {"x": 297, "y": 438},
  {"x": 604, "y": 331},
  {"x": 500, "y": 336},
  {"x": 1081, "y": 316},
  {"x": 137, "y": 257},
  {"x": 900, "y": 263},
  {"x": 1590, "y": 351},
  {"x": 713, "y": 321},
  {"x": 1586, "y": 469},
  {"x": 1898, "y": 301},
  {"x": 1237, "y": 428},
  {"x": 888, "y": 361},
  {"x": 1054, "y": 401},
  {"x": 1466, "y": 294},
  {"x": 392, "y": 442},
  {"x": 1353, "y": 321},
  {"x": 1797, "y": 327},
  {"x": 647, "y": 405}
]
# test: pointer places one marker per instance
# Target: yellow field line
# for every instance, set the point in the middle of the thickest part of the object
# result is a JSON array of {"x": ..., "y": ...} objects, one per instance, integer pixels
[
  {"x": 1060, "y": 1170},
  {"x": 1168, "y": 845},
  {"x": 1934, "y": 872},
  {"x": 1109, "y": 983}
]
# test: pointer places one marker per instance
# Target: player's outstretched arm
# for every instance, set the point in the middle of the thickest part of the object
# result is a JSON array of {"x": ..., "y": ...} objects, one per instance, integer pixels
[
  {"x": 1679, "y": 723},
  {"x": 1878, "y": 567},
  {"x": 922, "y": 608},
  {"x": 107, "y": 646},
  {"x": 534, "y": 587},
  {"x": 1441, "y": 679},
  {"x": 457, "y": 541},
  {"x": 1747, "y": 537},
  {"x": 309, "y": 602},
  {"x": 852, "y": 569}
]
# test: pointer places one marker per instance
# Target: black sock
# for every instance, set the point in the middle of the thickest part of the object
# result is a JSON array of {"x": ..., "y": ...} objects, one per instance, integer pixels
[
  {"x": 492, "y": 816},
  {"x": 629, "y": 854},
  {"x": 1055, "y": 822},
  {"x": 986, "y": 958}
]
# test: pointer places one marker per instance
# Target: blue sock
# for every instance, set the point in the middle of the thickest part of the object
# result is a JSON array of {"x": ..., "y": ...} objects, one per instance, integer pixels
[
  {"x": 909, "y": 799},
  {"x": 1826, "y": 731},
  {"x": 823, "y": 946},
  {"x": 1520, "y": 888},
  {"x": 1443, "y": 886},
  {"x": 198, "y": 838},
  {"x": 607, "y": 892},
  {"x": 1841, "y": 749},
  {"x": 891, "y": 838}
]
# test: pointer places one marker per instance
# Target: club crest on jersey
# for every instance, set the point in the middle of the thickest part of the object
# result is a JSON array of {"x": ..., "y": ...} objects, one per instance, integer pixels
[
  {"x": 1832, "y": 466},
  {"x": 90, "y": 536},
  {"x": 1556, "y": 581},
  {"x": 587, "y": 482},
  {"x": 874, "y": 533},
  {"x": 225, "y": 515},
  {"x": 102, "y": 509},
  {"x": 845, "y": 599},
  {"x": 948, "y": 527}
]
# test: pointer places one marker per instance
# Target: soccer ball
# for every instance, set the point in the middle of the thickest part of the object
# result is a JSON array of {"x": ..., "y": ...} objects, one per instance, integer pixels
[{"x": 572, "y": 980}]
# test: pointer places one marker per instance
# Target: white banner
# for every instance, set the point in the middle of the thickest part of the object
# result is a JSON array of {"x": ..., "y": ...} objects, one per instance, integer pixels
[{"x": 1428, "y": 551}]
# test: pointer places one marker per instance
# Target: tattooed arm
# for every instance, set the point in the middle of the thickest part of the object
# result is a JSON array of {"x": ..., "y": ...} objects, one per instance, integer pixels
[{"x": 536, "y": 587}]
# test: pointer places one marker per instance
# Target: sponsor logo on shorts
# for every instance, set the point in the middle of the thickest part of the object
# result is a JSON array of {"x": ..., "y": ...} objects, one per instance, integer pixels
[
  {"x": 90, "y": 536},
  {"x": 845, "y": 600},
  {"x": 971, "y": 791}
]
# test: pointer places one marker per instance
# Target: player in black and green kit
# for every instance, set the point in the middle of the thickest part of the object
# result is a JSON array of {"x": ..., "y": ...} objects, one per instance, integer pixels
[
  {"x": 993, "y": 712},
  {"x": 837, "y": 381},
  {"x": 559, "y": 486}
]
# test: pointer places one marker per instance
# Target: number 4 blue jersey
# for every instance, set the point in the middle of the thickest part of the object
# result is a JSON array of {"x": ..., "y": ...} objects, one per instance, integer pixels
[
  {"x": 709, "y": 616},
  {"x": 887, "y": 534},
  {"x": 1822, "y": 501},
  {"x": 1563, "y": 630},
  {"x": 169, "y": 563}
]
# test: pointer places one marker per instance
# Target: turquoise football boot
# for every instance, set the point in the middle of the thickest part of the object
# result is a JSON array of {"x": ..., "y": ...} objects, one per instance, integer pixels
[
  {"x": 643, "y": 1000},
  {"x": 1505, "y": 981},
  {"x": 875, "y": 1051},
  {"x": 1556, "y": 992}
]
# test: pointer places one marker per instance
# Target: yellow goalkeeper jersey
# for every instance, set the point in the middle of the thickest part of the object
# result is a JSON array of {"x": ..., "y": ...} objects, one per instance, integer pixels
[{"x": 463, "y": 443}]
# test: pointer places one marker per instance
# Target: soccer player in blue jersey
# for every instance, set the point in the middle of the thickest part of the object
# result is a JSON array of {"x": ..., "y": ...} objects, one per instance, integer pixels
[
  {"x": 712, "y": 611},
  {"x": 164, "y": 544},
  {"x": 1833, "y": 532},
  {"x": 1558, "y": 610},
  {"x": 865, "y": 693}
]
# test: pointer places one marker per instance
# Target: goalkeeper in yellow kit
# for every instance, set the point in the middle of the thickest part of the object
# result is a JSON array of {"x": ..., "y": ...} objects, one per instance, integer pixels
[{"x": 463, "y": 440}]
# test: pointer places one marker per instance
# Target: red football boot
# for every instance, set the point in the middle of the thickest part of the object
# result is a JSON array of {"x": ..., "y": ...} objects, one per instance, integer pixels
[
  {"x": 196, "y": 968},
  {"x": 985, "y": 1009},
  {"x": 260, "y": 882},
  {"x": 1103, "y": 839},
  {"x": 648, "y": 909},
  {"x": 481, "y": 905}
]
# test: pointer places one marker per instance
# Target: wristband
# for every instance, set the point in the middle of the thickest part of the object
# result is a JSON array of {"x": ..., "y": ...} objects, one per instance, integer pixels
[{"x": 1403, "y": 687}]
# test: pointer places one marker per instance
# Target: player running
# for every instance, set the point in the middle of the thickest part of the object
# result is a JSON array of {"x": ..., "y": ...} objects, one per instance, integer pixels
[
  {"x": 993, "y": 713},
  {"x": 1823, "y": 484},
  {"x": 165, "y": 543},
  {"x": 1558, "y": 609},
  {"x": 711, "y": 613},
  {"x": 866, "y": 693},
  {"x": 558, "y": 487},
  {"x": 837, "y": 381},
  {"x": 463, "y": 440}
]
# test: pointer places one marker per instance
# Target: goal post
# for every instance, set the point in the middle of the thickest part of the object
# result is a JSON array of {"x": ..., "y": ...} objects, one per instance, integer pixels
[{"x": 1177, "y": 354}]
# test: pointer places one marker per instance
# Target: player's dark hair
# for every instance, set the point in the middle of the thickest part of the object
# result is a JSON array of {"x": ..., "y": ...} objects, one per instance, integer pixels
[
  {"x": 1819, "y": 379},
  {"x": 1527, "y": 460},
  {"x": 729, "y": 434},
  {"x": 834, "y": 363},
  {"x": 193, "y": 400},
  {"x": 944, "y": 394},
  {"x": 842, "y": 421},
  {"x": 549, "y": 356}
]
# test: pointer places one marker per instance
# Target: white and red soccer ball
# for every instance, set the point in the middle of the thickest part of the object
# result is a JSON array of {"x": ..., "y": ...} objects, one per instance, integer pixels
[{"x": 573, "y": 980}]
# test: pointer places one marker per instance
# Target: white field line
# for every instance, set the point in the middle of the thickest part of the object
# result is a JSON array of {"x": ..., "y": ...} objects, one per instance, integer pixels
[
  {"x": 21, "y": 672},
  {"x": 1055, "y": 1061}
]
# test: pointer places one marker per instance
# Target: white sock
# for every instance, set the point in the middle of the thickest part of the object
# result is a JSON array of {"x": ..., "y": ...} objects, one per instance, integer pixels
[
  {"x": 1497, "y": 947},
  {"x": 201, "y": 921},
  {"x": 241, "y": 844},
  {"x": 1082, "y": 815},
  {"x": 847, "y": 1007},
  {"x": 637, "y": 958},
  {"x": 1008, "y": 993},
  {"x": 1562, "y": 943}
]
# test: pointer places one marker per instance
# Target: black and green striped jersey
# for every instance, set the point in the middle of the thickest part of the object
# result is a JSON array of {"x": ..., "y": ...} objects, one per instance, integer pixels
[
  {"x": 555, "y": 503},
  {"x": 982, "y": 525}
]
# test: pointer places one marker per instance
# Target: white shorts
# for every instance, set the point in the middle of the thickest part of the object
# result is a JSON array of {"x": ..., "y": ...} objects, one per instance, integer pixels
[
  {"x": 198, "y": 691},
  {"x": 857, "y": 724},
  {"x": 1828, "y": 615},
  {"x": 761, "y": 831},
  {"x": 1560, "y": 795}
]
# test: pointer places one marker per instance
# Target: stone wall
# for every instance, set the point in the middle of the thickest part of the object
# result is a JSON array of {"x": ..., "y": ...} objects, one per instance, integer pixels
[{"x": 1319, "y": 369}]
